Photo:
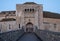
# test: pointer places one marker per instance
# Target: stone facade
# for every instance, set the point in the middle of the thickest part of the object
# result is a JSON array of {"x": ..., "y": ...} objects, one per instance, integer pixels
[
  {"x": 28, "y": 13},
  {"x": 8, "y": 26},
  {"x": 52, "y": 24}
]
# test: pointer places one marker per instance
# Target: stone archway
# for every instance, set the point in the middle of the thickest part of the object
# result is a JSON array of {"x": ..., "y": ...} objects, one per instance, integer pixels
[{"x": 29, "y": 27}]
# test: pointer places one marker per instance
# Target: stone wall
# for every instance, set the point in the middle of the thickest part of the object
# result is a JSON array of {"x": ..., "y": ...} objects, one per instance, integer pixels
[
  {"x": 48, "y": 35},
  {"x": 51, "y": 24},
  {"x": 11, "y": 35},
  {"x": 8, "y": 26}
]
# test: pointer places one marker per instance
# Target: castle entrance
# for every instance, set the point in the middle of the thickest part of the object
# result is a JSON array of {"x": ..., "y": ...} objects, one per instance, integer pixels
[{"x": 29, "y": 27}]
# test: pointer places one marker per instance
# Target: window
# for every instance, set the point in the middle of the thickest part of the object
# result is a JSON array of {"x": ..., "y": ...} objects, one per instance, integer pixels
[
  {"x": 26, "y": 10},
  {"x": 32, "y": 10},
  {"x": 19, "y": 25},
  {"x": 29, "y": 10},
  {"x": 54, "y": 25}
]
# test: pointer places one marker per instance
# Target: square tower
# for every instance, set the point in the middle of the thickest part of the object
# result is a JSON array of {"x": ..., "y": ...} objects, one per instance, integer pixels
[{"x": 29, "y": 13}]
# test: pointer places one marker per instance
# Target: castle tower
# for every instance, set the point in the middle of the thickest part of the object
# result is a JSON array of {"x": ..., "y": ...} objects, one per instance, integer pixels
[{"x": 29, "y": 16}]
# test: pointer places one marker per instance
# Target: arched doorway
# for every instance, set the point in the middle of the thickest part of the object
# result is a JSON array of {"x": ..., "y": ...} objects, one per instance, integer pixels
[{"x": 29, "y": 27}]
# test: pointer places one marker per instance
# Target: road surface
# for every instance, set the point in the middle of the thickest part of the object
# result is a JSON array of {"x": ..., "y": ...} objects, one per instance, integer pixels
[{"x": 28, "y": 37}]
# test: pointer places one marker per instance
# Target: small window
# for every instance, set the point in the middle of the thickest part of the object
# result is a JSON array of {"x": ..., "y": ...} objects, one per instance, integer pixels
[
  {"x": 54, "y": 25},
  {"x": 33, "y": 10},
  {"x": 29, "y": 10},
  {"x": 26, "y": 10},
  {"x": 19, "y": 25}
]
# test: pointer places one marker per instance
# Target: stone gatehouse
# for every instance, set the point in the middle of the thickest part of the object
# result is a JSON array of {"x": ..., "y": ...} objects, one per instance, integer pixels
[{"x": 29, "y": 16}]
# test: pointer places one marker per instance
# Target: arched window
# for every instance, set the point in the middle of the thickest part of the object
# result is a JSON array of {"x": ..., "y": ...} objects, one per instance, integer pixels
[
  {"x": 26, "y": 10},
  {"x": 29, "y": 10}
]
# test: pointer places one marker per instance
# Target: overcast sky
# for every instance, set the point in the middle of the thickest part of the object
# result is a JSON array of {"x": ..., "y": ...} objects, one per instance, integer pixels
[{"x": 48, "y": 5}]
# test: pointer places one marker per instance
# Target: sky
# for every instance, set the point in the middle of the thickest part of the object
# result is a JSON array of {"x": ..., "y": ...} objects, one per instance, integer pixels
[{"x": 48, "y": 5}]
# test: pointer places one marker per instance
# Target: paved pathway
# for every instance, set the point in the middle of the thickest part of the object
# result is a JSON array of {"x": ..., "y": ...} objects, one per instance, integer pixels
[{"x": 29, "y": 37}]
